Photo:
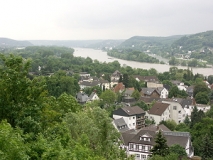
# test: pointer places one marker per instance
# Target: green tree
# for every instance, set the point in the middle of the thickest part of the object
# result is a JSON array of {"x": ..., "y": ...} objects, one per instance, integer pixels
[
  {"x": 12, "y": 143},
  {"x": 136, "y": 94},
  {"x": 108, "y": 97},
  {"x": 207, "y": 148},
  {"x": 202, "y": 98},
  {"x": 126, "y": 80},
  {"x": 171, "y": 124},
  {"x": 177, "y": 149},
  {"x": 200, "y": 87},
  {"x": 196, "y": 116},
  {"x": 142, "y": 105},
  {"x": 160, "y": 148}
]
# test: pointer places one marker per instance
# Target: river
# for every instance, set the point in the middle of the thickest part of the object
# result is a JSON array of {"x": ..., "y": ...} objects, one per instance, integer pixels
[{"x": 103, "y": 57}]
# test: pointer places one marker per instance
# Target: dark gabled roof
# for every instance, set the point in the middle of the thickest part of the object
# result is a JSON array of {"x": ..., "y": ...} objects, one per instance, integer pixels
[
  {"x": 177, "y": 100},
  {"x": 135, "y": 110},
  {"x": 90, "y": 84},
  {"x": 129, "y": 111},
  {"x": 103, "y": 81},
  {"x": 150, "y": 78},
  {"x": 176, "y": 82},
  {"x": 82, "y": 97},
  {"x": 166, "y": 86},
  {"x": 180, "y": 138},
  {"x": 147, "y": 91},
  {"x": 129, "y": 91},
  {"x": 116, "y": 73},
  {"x": 148, "y": 99},
  {"x": 186, "y": 102},
  {"x": 158, "y": 108},
  {"x": 119, "y": 122},
  {"x": 121, "y": 125},
  {"x": 128, "y": 135}
]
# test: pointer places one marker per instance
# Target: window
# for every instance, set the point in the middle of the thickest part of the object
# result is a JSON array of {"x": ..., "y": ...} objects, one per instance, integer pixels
[
  {"x": 143, "y": 156},
  {"x": 179, "y": 111},
  {"x": 133, "y": 124},
  {"x": 137, "y": 147},
  {"x": 143, "y": 148},
  {"x": 130, "y": 146},
  {"x": 138, "y": 155},
  {"x": 133, "y": 117},
  {"x": 174, "y": 107},
  {"x": 129, "y": 118},
  {"x": 149, "y": 148}
]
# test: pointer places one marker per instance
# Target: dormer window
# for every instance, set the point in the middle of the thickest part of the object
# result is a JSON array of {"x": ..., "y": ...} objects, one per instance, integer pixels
[{"x": 145, "y": 138}]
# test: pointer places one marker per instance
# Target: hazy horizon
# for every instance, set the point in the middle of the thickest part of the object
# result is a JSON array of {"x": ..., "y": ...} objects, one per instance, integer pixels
[{"x": 105, "y": 20}]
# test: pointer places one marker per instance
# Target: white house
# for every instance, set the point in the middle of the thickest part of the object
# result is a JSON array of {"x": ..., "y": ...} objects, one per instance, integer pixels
[
  {"x": 133, "y": 116},
  {"x": 159, "y": 112},
  {"x": 93, "y": 96},
  {"x": 163, "y": 92},
  {"x": 105, "y": 83},
  {"x": 177, "y": 112}
]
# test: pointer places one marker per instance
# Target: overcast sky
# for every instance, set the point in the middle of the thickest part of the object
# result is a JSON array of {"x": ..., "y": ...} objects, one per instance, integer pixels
[{"x": 102, "y": 19}]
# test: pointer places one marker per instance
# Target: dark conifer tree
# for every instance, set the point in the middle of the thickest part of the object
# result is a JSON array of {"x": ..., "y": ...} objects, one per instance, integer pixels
[{"x": 160, "y": 148}]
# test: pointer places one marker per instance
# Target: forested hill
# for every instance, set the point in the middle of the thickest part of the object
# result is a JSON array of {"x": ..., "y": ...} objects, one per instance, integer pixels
[
  {"x": 176, "y": 44},
  {"x": 146, "y": 43},
  {"x": 6, "y": 42},
  {"x": 195, "y": 42}
]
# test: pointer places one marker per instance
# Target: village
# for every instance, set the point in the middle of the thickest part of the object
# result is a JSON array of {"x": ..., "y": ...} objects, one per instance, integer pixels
[{"x": 137, "y": 126}]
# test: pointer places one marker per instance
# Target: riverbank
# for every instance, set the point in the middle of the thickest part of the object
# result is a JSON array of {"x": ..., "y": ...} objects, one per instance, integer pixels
[{"x": 103, "y": 57}]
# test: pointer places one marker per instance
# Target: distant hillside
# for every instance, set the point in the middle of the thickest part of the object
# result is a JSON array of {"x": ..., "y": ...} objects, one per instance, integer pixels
[
  {"x": 195, "y": 42},
  {"x": 65, "y": 43},
  {"x": 142, "y": 43},
  {"x": 105, "y": 44},
  {"x": 97, "y": 44},
  {"x": 6, "y": 43}
]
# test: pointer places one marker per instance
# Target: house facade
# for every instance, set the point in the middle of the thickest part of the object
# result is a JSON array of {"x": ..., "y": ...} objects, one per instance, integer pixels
[
  {"x": 133, "y": 116},
  {"x": 163, "y": 92},
  {"x": 150, "y": 92},
  {"x": 177, "y": 112}
]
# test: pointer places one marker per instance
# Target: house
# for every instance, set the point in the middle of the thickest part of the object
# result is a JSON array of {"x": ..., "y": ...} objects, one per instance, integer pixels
[
  {"x": 163, "y": 92},
  {"x": 128, "y": 92},
  {"x": 149, "y": 100},
  {"x": 203, "y": 107},
  {"x": 150, "y": 92},
  {"x": 159, "y": 112},
  {"x": 133, "y": 116},
  {"x": 113, "y": 83},
  {"x": 84, "y": 74},
  {"x": 139, "y": 143},
  {"x": 149, "y": 79},
  {"x": 120, "y": 125},
  {"x": 82, "y": 97},
  {"x": 190, "y": 91},
  {"x": 116, "y": 75},
  {"x": 177, "y": 83},
  {"x": 86, "y": 84},
  {"x": 93, "y": 96},
  {"x": 180, "y": 85},
  {"x": 104, "y": 84},
  {"x": 119, "y": 88},
  {"x": 177, "y": 112},
  {"x": 153, "y": 85}
]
